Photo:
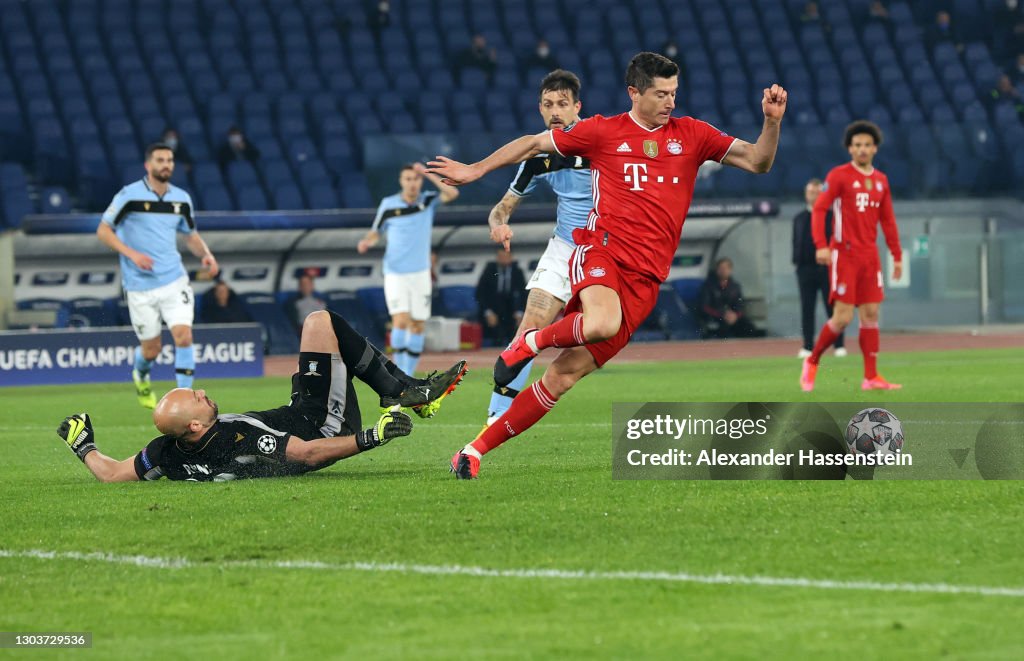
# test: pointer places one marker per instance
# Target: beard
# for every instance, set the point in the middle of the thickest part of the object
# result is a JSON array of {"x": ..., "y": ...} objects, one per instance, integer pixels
[{"x": 162, "y": 177}]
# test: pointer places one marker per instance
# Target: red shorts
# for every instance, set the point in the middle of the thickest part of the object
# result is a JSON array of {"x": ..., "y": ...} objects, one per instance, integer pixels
[
  {"x": 593, "y": 265},
  {"x": 856, "y": 278}
]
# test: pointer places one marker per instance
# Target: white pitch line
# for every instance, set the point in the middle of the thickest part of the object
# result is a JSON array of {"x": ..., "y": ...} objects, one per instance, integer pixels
[{"x": 562, "y": 574}]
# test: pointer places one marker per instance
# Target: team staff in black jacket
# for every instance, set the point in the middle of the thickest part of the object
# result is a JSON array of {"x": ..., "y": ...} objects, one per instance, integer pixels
[{"x": 811, "y": 277}]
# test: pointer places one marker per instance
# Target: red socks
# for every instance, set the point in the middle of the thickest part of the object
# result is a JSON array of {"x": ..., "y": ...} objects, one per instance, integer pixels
[
  {"x": 567, "y": 332},
  {"x": 527, "y": 408},
  {"x": 869, "y": 342},
  {"x": 827, "y": 336}
]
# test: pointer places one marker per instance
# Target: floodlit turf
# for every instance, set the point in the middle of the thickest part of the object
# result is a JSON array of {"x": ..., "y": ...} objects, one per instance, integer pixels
[{"x": 546, "y": 501}]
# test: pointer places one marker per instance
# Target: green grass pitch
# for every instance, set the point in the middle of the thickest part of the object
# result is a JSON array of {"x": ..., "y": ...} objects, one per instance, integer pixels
[{"x": 546, "y": 501}]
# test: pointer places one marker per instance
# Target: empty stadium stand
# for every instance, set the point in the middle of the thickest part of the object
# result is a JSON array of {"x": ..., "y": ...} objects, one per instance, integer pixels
[{"x": 84, "y": 85}]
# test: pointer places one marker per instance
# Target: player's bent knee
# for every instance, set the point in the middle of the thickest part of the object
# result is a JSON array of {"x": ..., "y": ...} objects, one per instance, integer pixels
[
  {"x": 151, "y": 348},
  {"x": 182, "y": 336},
  {"x": 601, "y": 327},
  {"x": 317, "y": 318},
  {"x": 559, "y": 383}
]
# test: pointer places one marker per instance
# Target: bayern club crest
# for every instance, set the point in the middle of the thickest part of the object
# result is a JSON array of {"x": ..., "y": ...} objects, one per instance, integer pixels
[
  {"x": 674, "y": 147},
  {"x": 596, "y": 272}
]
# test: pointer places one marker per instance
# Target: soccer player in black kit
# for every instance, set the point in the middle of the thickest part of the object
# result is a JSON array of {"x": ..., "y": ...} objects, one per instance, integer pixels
[{"x": 320, "y": 425}]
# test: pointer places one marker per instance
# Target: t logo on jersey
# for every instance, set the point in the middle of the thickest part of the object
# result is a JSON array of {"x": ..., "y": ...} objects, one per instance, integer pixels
[
  {"x": 862, "y": 201},
  {"x": 633, "y": 176}
]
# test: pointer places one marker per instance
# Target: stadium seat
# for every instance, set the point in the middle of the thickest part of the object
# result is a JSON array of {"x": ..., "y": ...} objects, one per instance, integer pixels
[
  {"x": 90, "y": 312},
  {"x": 282, "y": 337},
  {"x": 207, "y": 64},
  {"x": 459, "y": 301},
  {"x": 54, "y": 199},
  {"x": 669, "y": 320},
  {"x": 287, "y": 196},
  {"x": 688, "y": 290},
  {"x": 323, "y": 196},
  {"x": 252, "y": 198},
  {"x": 215, "y": 198},
  {"x": 374, "y": 303},
  {"x": 61, "y": 309},
  {"x": 349, "y": 306}
]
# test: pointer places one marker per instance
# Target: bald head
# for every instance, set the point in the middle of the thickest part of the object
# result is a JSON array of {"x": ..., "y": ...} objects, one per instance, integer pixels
[{"x": 185, "y": 413}]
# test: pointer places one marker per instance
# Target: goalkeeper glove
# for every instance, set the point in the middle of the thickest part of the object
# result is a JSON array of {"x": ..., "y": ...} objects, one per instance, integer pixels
[
  {"x": 76, "y": 431},
  {"x": 391, "y": 425}
]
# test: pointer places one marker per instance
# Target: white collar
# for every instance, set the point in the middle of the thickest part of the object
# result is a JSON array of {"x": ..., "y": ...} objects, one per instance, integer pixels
[{"x": 630, "y": 113}]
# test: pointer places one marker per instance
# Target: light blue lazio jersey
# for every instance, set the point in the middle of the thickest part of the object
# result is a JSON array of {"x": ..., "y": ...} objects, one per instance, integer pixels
[
  {"x": 569, "y": 178},
  {"x": 407, "y": 230},
  {"x": 149, "y": 223}
]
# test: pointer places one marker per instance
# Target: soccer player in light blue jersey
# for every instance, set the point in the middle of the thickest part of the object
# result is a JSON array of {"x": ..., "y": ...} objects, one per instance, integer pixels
[
  {"x": 141, "y": 225},
  {"x": 569, "y": 178},
  {"x": 407, "y": 219}
]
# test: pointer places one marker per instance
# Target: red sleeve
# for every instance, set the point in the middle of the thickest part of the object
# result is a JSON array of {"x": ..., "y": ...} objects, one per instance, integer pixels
[
  {"x": 892, "y": 235},
  {"x": 580, "y": 139},
  {"x": 714, "y": 143},
  {"x": 829, "y": 192}
]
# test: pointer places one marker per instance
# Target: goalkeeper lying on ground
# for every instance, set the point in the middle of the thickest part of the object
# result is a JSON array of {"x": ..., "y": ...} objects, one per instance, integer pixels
[{"x": 319, "y": 427}]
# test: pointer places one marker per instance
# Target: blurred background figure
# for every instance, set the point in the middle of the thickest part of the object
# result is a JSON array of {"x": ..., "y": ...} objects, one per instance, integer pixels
[
  {"x": 501, "y": 297},
  {"x": 304, "y": 302},
  {"x": 182, "y": 158},
  {"x": 221, "y": 305},
  {"x": 236, "y": 147},
  {"x": 811, "y": 277},
  {"x": 477, "y": 56},
  {"x": 943, "y": 31},
  {"x": 541, "y": 58},
  {"x": 721, "y": 305}
]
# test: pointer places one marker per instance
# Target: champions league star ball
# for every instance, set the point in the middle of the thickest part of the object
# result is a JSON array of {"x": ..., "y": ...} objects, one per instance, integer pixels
[{"x": 874, "y": 431}]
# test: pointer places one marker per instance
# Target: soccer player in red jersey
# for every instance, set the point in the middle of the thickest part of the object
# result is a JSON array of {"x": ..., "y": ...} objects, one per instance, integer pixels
[
  {"x": 644, "y": 164},
  {"x": 860, "y": 199}
]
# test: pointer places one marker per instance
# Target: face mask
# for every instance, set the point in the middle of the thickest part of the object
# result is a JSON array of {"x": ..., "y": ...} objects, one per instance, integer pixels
[
  {"x": 543, "y": 51},
  {"x": 671, "y": 51},
  {"x": 235, "y": 140},
  {"x": 172, "y": 143}
]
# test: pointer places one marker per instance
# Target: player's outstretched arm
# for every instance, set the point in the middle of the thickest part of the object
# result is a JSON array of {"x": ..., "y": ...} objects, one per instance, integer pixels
[
  {"x": 759, "y": 157},
  {"x": 520, "y": 149},
  {"x": 198, "y": 247},
  {"x": 368, "y": 241},
  {"x": 317, "y": 452},
  {"x": 109, "y": 238},
  {"x": 499, "y": 217},
  {"x": 77, "y": 432},
  {"x": 448, "y": 193}
]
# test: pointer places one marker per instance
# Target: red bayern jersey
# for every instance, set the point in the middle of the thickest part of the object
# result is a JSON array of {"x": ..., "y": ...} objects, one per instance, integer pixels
[
  {"x": 859, "y": 202},
  {"x": 642, "y": 182}
]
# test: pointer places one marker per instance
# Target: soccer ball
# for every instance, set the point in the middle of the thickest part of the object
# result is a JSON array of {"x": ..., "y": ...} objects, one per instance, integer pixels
[{"x": 874, "y": 431}]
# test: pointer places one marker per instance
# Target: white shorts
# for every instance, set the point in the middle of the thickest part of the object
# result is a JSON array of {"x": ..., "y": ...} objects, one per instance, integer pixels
[
  {"x": 172, "y": 303},
  {"x": 552, "y": 274},
  {"x": 409, "y": 293}
]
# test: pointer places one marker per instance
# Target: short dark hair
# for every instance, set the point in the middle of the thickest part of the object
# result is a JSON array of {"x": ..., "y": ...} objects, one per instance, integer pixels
[
  {"x": 407, "y": 166},
  {"x": 862, "y": 127},
  {"x": 157, "y": 146},
  {"x": 561, "y": 80},
  {"x": 645, "y": 67}
]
